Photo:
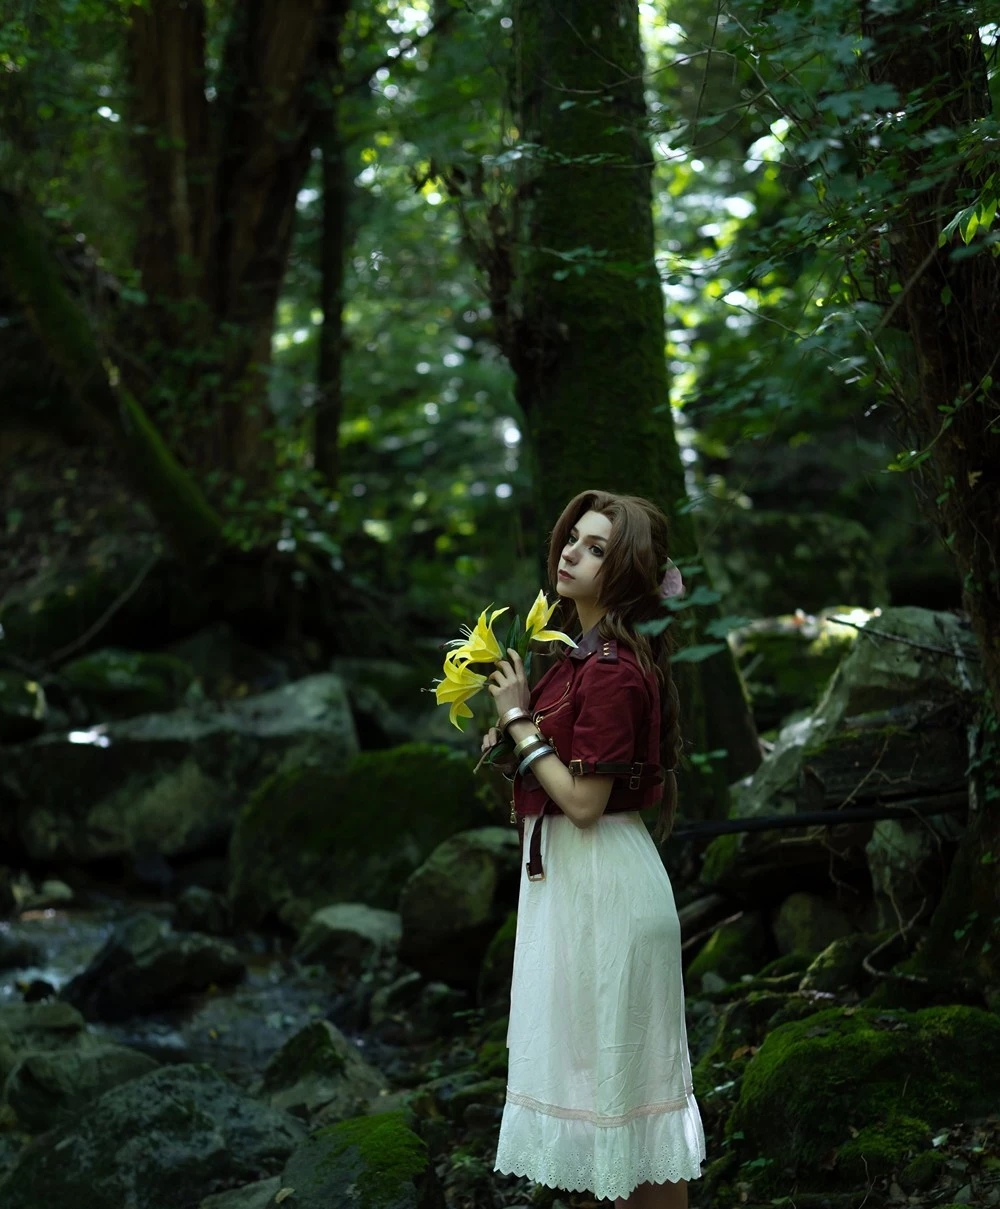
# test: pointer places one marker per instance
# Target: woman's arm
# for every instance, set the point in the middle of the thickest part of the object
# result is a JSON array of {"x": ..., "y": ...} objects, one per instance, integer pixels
[{"x": 581, "y": 799}]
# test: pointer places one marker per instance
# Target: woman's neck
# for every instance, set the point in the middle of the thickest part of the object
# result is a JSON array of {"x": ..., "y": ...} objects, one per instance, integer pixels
[{"x": 589, "y": 615}]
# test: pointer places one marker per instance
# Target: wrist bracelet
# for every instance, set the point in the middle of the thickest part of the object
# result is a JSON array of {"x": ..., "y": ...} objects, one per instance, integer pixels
[
  {"x": 512, "y": 715},
  {"x": 532, "y": 756},
  {"x": 523, "y": 744}
]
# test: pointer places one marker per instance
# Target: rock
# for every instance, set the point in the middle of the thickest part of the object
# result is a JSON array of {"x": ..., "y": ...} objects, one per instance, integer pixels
[
  {"x": 38, "y": 1027},
  {"x": 116, "y": 683},
  {"x": 348, "y": 936},
  {"x": 226, "y": 666},
  {"x": 168, "y": 784},
  {"x": 904, "y": 861},
  {"x": 18, "y": 953},
  {"x": 822, "y": 1096},
  {"x": 145, "y": 966},
  {"x": 398, "y": 996},
  {"x": 767, "y": 563},
  {"x": 201, "y": 910},
  {"x": 733, "y": 949},
  {"x": 787, "y": 661},
  {"x": 319, "y": 1070},
  {"x": 839, "y": 965},
  {"x": 22, "y": 707},
  {"x": 373, "y": 1162},
  {"x": 312, "y": 835},
  {"x": 807, "y": 923},
  {"x": 51, "y": 893},
  {"x": 250, "y": 1196},
  {"x": 162, "y": 1141},
  {"x": 436, "y": 1012},
  {"x": 450, "y": 906},
  {"x": 497, "y": 969},
  {"x": 47, "y": 1088}
]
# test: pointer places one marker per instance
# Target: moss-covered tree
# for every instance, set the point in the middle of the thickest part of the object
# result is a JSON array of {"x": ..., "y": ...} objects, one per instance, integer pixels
[{"x": 582, "y": 321}]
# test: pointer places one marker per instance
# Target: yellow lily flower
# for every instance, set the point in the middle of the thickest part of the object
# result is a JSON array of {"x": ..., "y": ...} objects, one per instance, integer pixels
[
  {"x": 480, "y": 645},
  {"x": 537, "y": 620},
  {"x": 457, "y": 686}
]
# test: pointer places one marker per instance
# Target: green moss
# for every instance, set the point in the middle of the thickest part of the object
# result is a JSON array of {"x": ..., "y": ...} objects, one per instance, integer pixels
[
  {"x": 491, "y": 1058},
  {"x": 882, "y": 1148},
  {"x": 392, "y": 1156},
  {"x": 129, "y": 682},
  {"x": 813, "y": 1081},
  {"x": 498, "y": 962},
  {"x": 721, "y": 857},
  {"x": 795, "y": 962},
  {"x": 732, "y": 950},
  {"x": 924, "y": 1169},
  {"x": 310, "y": 1052},
  {"x": 312, "y": 835}
]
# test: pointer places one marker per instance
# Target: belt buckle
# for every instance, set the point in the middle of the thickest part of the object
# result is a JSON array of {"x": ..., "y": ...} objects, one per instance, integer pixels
[
  {"x": 636, "y": 777},
  {"x": 534, "y": 877},
  {"x": 575, "y": 768}
]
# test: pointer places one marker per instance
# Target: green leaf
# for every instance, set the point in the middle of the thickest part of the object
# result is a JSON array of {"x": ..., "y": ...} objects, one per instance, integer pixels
[
  {"x": 656, "y": 626},
  {"x": 698, "y": 653}
]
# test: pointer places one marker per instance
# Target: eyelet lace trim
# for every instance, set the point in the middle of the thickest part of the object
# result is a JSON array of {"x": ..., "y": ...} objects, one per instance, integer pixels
[{"x": 581, "y": 1114}]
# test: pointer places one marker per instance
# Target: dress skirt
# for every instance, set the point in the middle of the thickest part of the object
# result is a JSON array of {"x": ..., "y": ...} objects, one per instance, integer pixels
[{"x": 599, "y": 1093}]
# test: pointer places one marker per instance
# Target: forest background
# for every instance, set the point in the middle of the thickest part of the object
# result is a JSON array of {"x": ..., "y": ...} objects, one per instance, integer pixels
[{"x": 313, "y": 314}]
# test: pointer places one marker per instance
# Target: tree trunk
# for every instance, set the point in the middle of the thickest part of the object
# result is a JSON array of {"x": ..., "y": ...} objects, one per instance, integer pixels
[
  {"x": 218, "y": 182},
  {"x": 585, "y": 329},
  {"x": 333, "y": 251},
  {"x": 33, "y": 275},
  {"x": 951, "y": 307}
]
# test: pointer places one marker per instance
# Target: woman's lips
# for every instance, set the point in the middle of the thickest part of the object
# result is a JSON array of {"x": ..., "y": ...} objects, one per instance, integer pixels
[{"x": 564, "y": 574}]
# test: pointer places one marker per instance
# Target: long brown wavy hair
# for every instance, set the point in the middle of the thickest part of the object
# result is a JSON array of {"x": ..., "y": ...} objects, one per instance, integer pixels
[{"x": 632, "y": 568}]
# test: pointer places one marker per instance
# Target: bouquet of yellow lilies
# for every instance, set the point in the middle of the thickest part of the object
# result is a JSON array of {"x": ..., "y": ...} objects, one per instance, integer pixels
[{"x": 480, "y": 645}]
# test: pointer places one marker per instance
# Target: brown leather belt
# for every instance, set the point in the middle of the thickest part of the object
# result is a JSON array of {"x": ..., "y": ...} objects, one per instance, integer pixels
[{"x": 640, "y": 776}]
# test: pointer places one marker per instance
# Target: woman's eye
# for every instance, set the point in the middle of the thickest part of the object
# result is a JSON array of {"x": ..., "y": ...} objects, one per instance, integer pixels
[{"x": 597, "y": 550}]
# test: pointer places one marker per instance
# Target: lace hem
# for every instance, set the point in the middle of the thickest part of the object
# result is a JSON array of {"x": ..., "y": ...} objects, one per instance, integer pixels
[
  {"x": 612, "y": 1183},
  {"x": 594, "y": 1118}
]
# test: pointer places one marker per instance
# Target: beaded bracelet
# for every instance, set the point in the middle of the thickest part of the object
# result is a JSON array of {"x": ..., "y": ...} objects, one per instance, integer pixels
[{"x": 532, "y": 756}]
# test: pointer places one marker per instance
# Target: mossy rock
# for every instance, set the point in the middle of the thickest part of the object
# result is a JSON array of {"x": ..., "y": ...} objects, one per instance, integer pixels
[
  {"x": 116, "y": 683},
  {"x": 492, "y": 1058},
  {"x": 721, "y": 859},
  {"x": 839, "y": 965},
  {"x": 319, "y": 1069},
  {"x": 807, "y": 923},
  {"x": 315, "y": 834},
  {"x": 817, "y": 1085},
  {"x": 374, "y": 1162},
  {"x": 497, "y": 968},
  {"x": 732, "y": 950},
  {"x": 924, "y": 1169}
]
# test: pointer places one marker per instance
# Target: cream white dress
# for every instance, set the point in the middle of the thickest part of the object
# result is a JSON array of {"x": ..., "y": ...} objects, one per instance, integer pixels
[{"x": 599, "y": 1093}]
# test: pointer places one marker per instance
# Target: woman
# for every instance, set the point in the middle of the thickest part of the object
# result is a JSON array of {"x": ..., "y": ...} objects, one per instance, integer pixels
[{"x": 599, "y": 1091}]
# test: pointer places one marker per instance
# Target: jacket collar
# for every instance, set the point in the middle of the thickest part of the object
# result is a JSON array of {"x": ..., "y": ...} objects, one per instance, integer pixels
[{"x": 588, "y": 644}]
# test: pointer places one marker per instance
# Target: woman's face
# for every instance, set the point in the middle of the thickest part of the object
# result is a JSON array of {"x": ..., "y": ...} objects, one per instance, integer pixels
[{"x": 582, "y": 557}]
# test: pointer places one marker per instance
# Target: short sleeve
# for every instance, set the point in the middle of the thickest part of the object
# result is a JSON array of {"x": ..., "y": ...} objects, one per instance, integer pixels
[{"x": 612, "y": 705}]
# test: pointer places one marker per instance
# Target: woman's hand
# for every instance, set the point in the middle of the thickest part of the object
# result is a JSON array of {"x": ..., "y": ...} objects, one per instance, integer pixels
[{"x": 510, "y": 685}]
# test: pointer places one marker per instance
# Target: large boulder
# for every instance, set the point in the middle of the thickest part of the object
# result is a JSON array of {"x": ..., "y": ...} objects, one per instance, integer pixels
[
  {"x": 347, "y": 831},
  {"x": 807, "y": 923},
  {"x": 50, "y": 1087},
  {"x": 735, "y": 948},
  {"x": 349, "y": 936},
  {"x": 168, "y": 784},
  {"x": 144, "y": 965},
  {"x": 451, "y": 906},
  {"x": 39, "y": 1028},
  {"x": 890, "y": 726},
  {"x": 318, "y": 1071},
  {"x": 823, "y": 1097},
  {"x": 163, "y": 1141},
  {"x": 374, "y": 1162}
]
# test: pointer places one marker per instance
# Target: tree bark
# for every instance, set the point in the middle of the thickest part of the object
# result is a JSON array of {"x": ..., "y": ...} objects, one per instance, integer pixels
[
  {"x": 218, "y": 184},
  {"x": 931, "y": 53},
  {"x": 583, "y": 322},
  {"x": 333, "y": 251},
  {"x": 31, "y": 272}
]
